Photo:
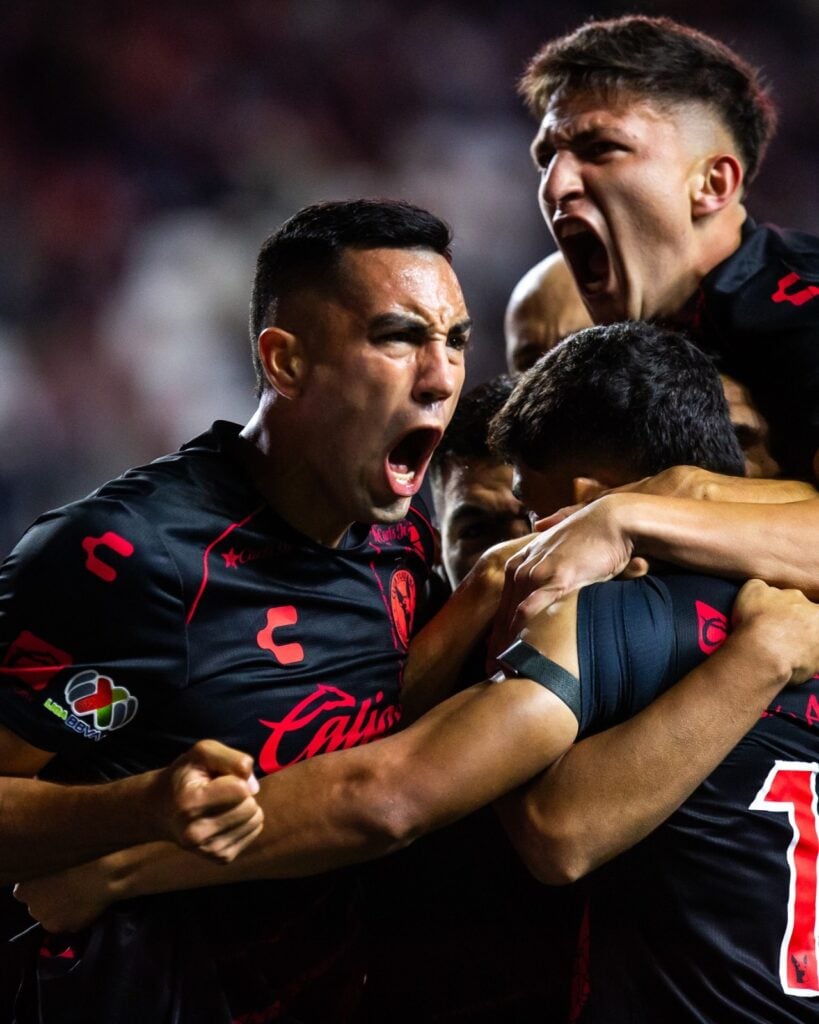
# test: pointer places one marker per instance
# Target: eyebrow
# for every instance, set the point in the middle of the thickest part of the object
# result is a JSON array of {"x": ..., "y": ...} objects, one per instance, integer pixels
[
  {"x": 414, "y": 324},
  {"x": 542, "y": 147}
]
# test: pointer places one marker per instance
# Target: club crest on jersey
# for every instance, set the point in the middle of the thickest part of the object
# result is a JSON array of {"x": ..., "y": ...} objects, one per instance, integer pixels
[
  {"x": 98, "y": 704},
  {"x": 402, "y": 603},
  {"x": 712, "y": 627}
]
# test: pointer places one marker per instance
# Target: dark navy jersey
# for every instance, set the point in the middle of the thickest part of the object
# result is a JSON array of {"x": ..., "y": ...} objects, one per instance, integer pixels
[
  {"x": 173, "y": 605},
  {"x": 713, "y": 917},
  {"x": 758, "y": 311}
]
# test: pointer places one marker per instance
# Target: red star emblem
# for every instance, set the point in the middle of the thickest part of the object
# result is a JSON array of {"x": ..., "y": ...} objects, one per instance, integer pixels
[{"x": 231, "y": 559}]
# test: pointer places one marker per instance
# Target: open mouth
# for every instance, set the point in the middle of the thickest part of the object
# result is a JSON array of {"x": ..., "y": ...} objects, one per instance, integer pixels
[
  {"x": 406, "y": 463},
  {"x": 586, "y": 256}
]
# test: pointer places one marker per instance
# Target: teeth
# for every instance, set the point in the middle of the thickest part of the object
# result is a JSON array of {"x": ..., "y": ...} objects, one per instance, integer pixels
[
  {"x": 405, "y": 478},
  {"x": 573, "y": 229}
]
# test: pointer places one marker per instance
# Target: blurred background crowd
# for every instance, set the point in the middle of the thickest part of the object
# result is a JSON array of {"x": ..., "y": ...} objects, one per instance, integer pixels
[{"x": 148, "y": 147}]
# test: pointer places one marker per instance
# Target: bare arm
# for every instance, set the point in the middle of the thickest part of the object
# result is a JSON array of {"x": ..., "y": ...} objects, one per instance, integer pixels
[
  {"x": 438, "y": 652},
  {"x": 693, "y": 482},
  {"x": 347, "y": 806},
  {"x": 612, "y": 789},
  {"x": 44, "y": 826},
  {"x": 739, "y": 540}
]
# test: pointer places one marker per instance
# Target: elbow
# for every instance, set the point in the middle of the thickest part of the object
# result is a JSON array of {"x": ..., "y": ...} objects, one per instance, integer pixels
[
  {"x": 551, "y": 862},
  {"x": 551, "y": 856},
  {"x": 385, "y": 816}
]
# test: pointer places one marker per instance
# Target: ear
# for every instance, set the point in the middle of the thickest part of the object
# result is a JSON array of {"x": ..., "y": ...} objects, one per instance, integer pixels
[
  {"x": 586, "y": 489},
  {"x": 717, "y": 182},
  {"x": 282, "y": 358}
]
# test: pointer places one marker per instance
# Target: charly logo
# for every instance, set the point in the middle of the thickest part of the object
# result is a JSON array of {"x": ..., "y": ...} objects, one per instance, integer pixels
[
  {"x": 712, "y": 627},
  {"x": 402, "y": 603},
  {"x": 785, "y": 291},
  {"x": 325, "y": 720},
  {"x": 109, "y": 706}
]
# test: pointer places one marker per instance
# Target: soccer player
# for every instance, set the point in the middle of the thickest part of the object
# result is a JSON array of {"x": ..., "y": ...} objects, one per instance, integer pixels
[
  {"x": 544, "y": 307},
  {"x": 650, "y": 133},
  {"x": 485, "y": 741},
  {"x": 713, "y": 916},
  {"x": 258, "y": 586},
  {"x": 471, "y": 486}
]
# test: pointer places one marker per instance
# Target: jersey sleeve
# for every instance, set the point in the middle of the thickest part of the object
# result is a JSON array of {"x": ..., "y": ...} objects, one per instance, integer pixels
[
  {"x": 637, "y": 637},
  {"x": 92, "y": 629}
]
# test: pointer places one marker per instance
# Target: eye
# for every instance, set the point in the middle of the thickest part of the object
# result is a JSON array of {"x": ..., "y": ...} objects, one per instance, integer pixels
[
  {"x": 601, "y": 148},
  {"x": 458, "y": 341},
  {"x": 396, "y": 337},
  {"x": 474, "y": 530}
]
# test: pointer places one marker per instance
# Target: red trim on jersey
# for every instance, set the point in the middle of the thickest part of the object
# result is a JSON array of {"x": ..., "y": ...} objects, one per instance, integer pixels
[
  {"x": 423, "y": 518},
  {"x": 206, "y": 556}
]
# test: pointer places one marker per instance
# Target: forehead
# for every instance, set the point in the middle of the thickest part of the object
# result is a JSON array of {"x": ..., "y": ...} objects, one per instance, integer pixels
[
  {"x": 417, "y": 281},
  {"x": 568, "y": 115},
  {"x": 476, "y": 482}
]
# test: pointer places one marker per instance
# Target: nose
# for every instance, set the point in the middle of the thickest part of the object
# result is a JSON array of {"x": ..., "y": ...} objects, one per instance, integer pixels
[
  {"x": 562, "y": 181},
  {"x": 439, "y": 373}
]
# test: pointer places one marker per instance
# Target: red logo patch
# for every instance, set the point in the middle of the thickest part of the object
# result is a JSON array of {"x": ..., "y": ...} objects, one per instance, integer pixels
[
  {"x": 402, "y": 603},
  {"x": 285, "y": 654},
  {"x": 810, "y": 291},
  {"x": 93, "y": 563},
  {"x": 713, "y": 627},
  {"x": 34, "y": 661}
]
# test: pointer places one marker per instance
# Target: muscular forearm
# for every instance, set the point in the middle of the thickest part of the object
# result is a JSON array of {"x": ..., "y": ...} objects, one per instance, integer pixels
[
  {"x": 354, "y": 805},
  {"x": 768, "y": 541},
  {"x": 716, "y": 487},
  {"x": 612, "y": 789},
  {"x": 44, "y": 827}
]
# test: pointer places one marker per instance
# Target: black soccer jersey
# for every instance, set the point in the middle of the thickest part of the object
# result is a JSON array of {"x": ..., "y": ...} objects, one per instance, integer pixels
[
  {"x": 173, "y": 605},
  {"x": 713, "y": 917},
  {"x": 758, "y": 311}
]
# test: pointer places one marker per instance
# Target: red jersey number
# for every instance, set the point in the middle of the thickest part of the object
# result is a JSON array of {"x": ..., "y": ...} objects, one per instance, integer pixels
[{"x": 791, "y": 788}]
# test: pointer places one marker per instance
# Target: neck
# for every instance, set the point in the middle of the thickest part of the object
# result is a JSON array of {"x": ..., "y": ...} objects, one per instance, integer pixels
[
  {"x": 720, "y": 238},
  {"x": 285, "y": 479},
  {"x": 714, "y": 239}
]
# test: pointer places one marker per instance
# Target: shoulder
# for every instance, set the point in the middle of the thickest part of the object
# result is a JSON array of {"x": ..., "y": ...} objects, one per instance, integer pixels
[{"x": 775, "y": 274}]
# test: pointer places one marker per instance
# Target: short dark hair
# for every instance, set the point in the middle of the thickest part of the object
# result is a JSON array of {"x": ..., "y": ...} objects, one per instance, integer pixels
[
  {"x": 307, "y": 248},
  {"x": 467, "y": 436},
  {"x": 660, "y": 59},
  {"x": 633, "y": 395}
]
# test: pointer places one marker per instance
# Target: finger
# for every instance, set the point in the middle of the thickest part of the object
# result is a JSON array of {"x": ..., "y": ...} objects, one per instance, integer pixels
[
  {"x": 220, "y": 759},
  {"x": 202, "y": 831},
  {"x": 228, "y": 845},
  {"x": 636, "y": 567},
  {"x": 222, "y": 795},
  {"x": 532, "y": 606},
  {"x": 225, "y": 848},
  {"x": 503, "y": 616},
  {"x": 547, "y": 522}
]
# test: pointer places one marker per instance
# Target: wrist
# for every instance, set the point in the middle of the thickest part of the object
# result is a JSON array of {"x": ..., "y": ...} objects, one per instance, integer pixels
[
  {"x": 144, "y": 799},
  {"x": 763, "y": 653},
  {"x": 635, "y": 519}
]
